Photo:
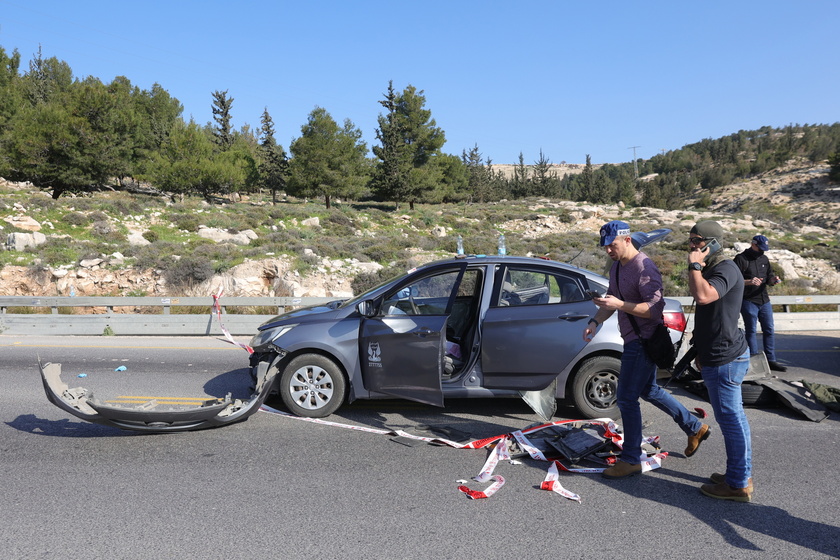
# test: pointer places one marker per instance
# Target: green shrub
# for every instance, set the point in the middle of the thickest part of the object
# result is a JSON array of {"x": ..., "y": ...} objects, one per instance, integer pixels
[
  {"x": 188, "y": 271},
  {"x": 59, "y": 251},
  {"x": 186, "y": 222},
  {"x": 158, "y": 255},
  {"x": 76, "y": 219}
]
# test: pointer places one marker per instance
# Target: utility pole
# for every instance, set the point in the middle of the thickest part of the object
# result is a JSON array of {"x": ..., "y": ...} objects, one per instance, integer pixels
[{"x": 635, "y": 165}]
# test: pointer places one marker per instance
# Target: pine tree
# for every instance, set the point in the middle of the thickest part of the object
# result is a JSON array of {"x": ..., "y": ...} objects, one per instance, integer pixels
[
  {"x": 222, "y": 132},
  {"x": 409, "y": 140},
  {"x": 328, "y": 160},
  {"x": 274, "y": 167}
]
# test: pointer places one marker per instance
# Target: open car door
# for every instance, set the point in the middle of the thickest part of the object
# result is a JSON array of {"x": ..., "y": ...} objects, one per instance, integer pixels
[{"x": 402, "y": 346}]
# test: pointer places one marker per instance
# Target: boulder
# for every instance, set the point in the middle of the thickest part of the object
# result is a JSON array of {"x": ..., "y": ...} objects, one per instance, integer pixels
[
  {"x": 19, "y": 241},
  {"x": 222, "y": 236},
  {"x": 23, "y": 222}
]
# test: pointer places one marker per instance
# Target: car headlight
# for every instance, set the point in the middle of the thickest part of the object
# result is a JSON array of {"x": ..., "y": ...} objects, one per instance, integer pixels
[{"x": 269, "y": 335}]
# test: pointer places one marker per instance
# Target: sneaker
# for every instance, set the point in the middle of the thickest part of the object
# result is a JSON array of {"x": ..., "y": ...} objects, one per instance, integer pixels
[
  {"x": 722, "y": 491},
  {"x": 621, "y": 470},
  {"x": 720, "y": 478},
  {"x": 694, "y": 441},
  {"x": 776, "y": 366}
]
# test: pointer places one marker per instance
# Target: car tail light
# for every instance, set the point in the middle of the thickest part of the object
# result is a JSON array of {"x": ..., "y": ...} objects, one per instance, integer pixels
[{"x": 675, "y": 320}]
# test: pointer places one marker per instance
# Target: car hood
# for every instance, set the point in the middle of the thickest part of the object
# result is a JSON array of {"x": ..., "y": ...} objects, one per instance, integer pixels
[
  {"x": 329, "y": 310},
  {"x": 151, "y": 416}
]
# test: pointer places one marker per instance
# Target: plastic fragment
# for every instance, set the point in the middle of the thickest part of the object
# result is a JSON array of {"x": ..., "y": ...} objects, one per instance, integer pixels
[
  {"x": 82, "y": 375},
  {"x": 121, "y": 368}
]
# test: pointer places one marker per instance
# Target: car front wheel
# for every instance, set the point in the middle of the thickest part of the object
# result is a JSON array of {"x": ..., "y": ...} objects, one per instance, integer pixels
[
  {"x": 595, "y": 387},
  {"x": 312, "y": 386}
]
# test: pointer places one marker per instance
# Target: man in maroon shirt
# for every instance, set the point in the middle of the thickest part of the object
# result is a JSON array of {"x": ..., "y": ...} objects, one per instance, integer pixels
[{"x": 636, "y": 290}]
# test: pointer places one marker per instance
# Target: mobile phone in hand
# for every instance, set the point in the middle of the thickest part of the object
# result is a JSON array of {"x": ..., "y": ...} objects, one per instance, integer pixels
[{"x": 594, "y": 294}]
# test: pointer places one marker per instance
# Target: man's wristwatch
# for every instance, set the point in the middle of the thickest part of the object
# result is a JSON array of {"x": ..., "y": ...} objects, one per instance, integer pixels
[
  {"x": 597, "y": 324},
  {"x": 695, "y": 266}
]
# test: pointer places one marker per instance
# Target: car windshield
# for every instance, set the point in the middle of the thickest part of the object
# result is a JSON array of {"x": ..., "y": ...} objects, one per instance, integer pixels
[{"x": 364, "y": 295}]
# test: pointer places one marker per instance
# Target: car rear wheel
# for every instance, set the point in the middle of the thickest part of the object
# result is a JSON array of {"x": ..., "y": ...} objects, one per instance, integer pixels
[
  {"x": 312, "y": 386},
  {"x": 595, "y": 387}
]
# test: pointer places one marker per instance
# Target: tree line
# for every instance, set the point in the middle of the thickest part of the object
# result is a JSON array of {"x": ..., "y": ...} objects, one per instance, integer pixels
[{"x": 70, "y": 135}]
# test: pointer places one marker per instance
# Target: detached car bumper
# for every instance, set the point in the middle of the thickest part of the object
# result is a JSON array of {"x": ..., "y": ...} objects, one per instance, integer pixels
[{"x": 150, "y": 416}]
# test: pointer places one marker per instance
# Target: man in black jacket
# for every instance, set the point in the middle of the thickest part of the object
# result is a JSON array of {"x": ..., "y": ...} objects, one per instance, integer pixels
[{"x": 758, "y": 274}]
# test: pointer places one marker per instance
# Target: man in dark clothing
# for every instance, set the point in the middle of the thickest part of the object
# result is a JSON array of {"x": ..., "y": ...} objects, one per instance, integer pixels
[
  {"x": 722, "y": 355},
  {"x": 758, "y": 274},
  {"x": 636, "y": 291}
]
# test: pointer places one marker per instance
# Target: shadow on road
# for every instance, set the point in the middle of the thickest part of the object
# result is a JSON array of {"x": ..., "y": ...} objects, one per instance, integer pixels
[{"x": 728, "y": 519}]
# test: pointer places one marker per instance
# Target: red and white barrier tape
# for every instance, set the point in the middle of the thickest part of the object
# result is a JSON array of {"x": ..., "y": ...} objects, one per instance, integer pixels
[
  {"x": 552, "y": 483},
  {"x": 498, "y": 482},
  {"x": 500, "y": 452},
  {"x": 217, "y": 307}
]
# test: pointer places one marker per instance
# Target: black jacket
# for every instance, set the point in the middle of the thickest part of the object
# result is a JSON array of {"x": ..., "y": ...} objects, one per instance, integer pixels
[{"x": 754, "y": 264}]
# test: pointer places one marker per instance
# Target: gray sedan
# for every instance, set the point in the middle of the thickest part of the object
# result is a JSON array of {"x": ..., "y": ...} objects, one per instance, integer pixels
[{"x": 475, "y": 326}]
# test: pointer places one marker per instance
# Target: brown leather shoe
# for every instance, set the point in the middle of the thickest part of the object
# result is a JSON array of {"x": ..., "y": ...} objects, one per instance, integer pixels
[
  {"x": 694, "y": 441},
  {"x": 621, "y": 470},
  {"x": 723, "y": 491},
  {"x": 720, "y": 478}
]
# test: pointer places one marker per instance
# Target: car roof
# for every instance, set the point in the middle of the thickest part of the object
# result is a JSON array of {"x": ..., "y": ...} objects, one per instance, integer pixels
[{"x": 509, "y": 260}]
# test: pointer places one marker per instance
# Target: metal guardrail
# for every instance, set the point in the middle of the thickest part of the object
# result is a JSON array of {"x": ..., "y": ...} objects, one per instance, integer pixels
[
  {"x": 108, "y": 315},
  {"x": 59, "y": 316}
]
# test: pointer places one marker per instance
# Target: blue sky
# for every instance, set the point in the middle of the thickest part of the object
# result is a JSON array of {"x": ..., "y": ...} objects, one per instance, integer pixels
[{"x": 567, "y": 78}]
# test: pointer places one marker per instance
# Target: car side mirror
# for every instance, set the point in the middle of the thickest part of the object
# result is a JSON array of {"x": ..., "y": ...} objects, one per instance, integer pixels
[{"x": 366, "y": 308}]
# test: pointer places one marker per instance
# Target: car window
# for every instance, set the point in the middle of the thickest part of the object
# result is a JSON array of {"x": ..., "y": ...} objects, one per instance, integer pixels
[
  {"x": 426, "y": 296},
  {"x": 537, "y": 287}
]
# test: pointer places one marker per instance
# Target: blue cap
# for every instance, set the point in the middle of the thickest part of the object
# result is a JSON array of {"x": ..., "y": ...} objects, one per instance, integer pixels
[
  {"x": 611, "y": 230},
  {"x": 761, "y": 242}
]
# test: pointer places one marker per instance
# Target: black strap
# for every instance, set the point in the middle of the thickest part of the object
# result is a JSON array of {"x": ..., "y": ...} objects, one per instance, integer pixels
[{"x": 633, "y": 320}]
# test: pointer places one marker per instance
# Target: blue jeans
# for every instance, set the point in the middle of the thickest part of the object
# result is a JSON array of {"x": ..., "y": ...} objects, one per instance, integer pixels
[
  {"x": 638, "y": 379},
  {"x": 724, "y": 385},
  {"x": 752, "y": 312}
]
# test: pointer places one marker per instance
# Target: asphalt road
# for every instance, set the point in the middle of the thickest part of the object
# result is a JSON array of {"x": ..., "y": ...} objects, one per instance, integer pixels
[{"x": 280, "y": 487}]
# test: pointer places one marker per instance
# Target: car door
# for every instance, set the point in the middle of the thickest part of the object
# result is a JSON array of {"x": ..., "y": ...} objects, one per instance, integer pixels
[
  {"x": 402, "y": 346},
  {"x": 534, "y": 326}
]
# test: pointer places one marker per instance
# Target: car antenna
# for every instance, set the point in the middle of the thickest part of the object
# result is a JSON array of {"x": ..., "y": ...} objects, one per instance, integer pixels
[{"x": 573, "y": 258}]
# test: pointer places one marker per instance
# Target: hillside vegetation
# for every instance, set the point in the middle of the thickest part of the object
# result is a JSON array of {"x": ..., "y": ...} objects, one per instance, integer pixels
[{"x": 144, "y": 232}]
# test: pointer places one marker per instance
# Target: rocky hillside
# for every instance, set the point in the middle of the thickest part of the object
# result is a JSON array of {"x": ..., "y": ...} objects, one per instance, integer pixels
[{"x": 796, "y": 204}]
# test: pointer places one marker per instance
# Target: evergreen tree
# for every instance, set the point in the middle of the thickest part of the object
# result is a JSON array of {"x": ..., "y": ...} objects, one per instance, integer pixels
[
  {"x": 587, "y": 182},
  {"x": 545, "y": 181},
  {"x": 274, "y": 163},
  {"x": 604, "y": 189},
  {"x": 47, "y": 79},
  {"x": 409, "y": 139},
  {"x": 10, "y": 86},
  {"x": 479, "y": 175},
  {"x": 520, "y": 184},
  {"x": 186, "y": 163},
  {"x": 327, "y": 160},
  {"x": 222, "y": 132},
  {"x": 77, "y": 136},
  {"x": 390, "y": 175},
  {"x": 450, "y": 177},
  {"x": 834, "y": 167},
  {"x": 159, "y": 112}
]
